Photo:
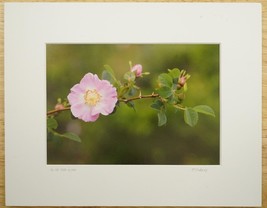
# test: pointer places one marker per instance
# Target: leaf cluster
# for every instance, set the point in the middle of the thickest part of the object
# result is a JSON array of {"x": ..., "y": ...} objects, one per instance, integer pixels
[
  {"x": 52, "y": 125},
  {"x": 125, "y": 88},
  {"x": 172, "y": 87}
]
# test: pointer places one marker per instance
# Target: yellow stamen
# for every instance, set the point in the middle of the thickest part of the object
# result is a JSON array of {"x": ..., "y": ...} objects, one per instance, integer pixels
[{"x": 92, "y": 97}]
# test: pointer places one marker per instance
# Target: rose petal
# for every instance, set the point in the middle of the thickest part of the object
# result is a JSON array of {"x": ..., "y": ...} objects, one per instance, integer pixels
[
  {"x": 77, "y": 89},
  {"x": 89, "y": 81},
  {"x": 79, "y": 109},
  {"x": 108, "y": 106},
  {"x": 75, "y": 98},
  {"x": 106, "y": 89},
  {"x": 87, "y": 117},
  {"x": 97, "y": 108}
]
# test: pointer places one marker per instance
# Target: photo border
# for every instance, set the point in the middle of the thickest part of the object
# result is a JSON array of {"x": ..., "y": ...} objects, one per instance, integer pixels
[
  {"x": 8, "y": 144},
  {"x": 178, "y": 45}
]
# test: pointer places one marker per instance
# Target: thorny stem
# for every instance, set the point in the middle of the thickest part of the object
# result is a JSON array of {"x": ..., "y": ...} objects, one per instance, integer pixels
[
  {"x": 138, "y": 97},
  {"x": 125, "y": 100},
  {"x": 51, "y": 112},
  {"x": 179, "y": 107}
]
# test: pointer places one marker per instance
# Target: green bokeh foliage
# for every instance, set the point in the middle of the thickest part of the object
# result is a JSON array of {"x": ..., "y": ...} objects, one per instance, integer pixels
[{"x": 129, "y": 137}]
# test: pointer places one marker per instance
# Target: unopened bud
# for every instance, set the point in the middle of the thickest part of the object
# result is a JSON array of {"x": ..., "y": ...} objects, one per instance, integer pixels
[
  {"x": 59, "y": 106},
  {"x": 137, "y": 69},
  {"x": 182, "y": 81}
]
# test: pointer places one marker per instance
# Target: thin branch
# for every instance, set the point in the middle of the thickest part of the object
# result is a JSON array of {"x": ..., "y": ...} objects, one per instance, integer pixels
[
  {"x": 51, "y": 112},
  {"x": 57, "y": 111},
  {"x": 179, "y": 107},
  {"x": 139, "y": 97}
]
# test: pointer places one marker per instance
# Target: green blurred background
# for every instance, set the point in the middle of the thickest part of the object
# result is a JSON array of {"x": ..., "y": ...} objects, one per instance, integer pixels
[{"x": 129, "y": 137}]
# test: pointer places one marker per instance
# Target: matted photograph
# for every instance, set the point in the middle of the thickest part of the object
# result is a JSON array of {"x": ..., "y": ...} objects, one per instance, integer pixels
[{"x": 133, "y": 104}]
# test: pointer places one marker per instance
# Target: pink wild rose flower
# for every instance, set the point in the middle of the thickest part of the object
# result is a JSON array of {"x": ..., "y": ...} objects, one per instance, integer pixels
[
  {"x": 92, "y": 97},
  {"x": 137, "y": 69}
]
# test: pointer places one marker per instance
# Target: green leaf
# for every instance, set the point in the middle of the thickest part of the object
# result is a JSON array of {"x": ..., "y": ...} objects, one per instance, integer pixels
[
  {"x": 110, "y": 70},
  {"x": 131, "y": 104},
  {"x": 157, "y": 104},
  {"x": 205, "y": 110},
  {"x": 122, "y": 90},
  {"x": 165, "y": 80},
  {"x": 132, "y": 91},
  {"x": 71, "y": 136},
  {"x": 173, "y": 99},
  {"x": 51, "y": 124},
  {"x": 129, "y": 76},
  {"x": 165, "y": 92},
  {"x": 162, "y": 118},
  {"x": 107, "y": 76},
  {"x": 174, "y": 73},
  {"x": 174, "y": 87},
  {"x": 190, "y": 116}
]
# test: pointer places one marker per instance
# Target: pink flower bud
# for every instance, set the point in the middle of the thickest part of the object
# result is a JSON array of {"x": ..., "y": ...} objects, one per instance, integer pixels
[
  {"x": 182, "y": 81},
  {"x": 59, "y": 106},
  {"x": 137, "y": 69}
]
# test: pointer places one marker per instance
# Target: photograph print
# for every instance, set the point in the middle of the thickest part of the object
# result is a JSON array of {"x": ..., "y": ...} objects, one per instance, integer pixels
[{"x": 133, "y": 104}]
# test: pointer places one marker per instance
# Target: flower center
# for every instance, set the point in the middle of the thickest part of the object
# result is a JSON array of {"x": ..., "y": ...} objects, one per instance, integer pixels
[{"x": 92, "y": 97}]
